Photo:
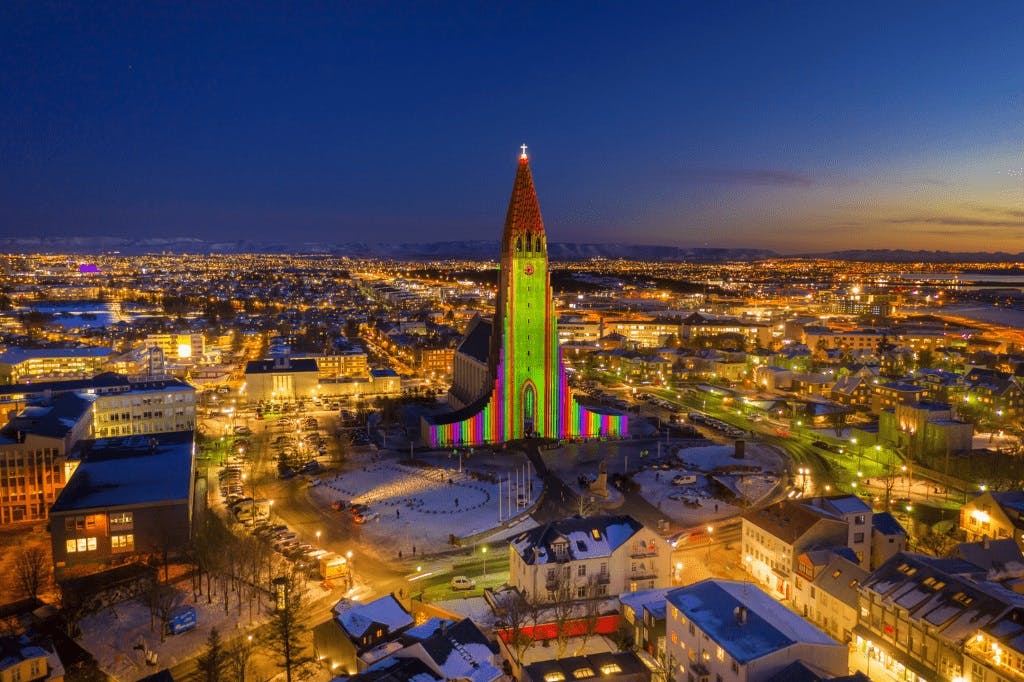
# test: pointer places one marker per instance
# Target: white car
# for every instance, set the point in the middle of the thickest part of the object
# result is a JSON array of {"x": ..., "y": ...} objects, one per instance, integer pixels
[{"x": 461, "y": 582}]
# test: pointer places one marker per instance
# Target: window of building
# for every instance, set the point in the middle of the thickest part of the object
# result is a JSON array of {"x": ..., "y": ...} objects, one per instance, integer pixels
[
  {"x": 719, "y": 653},
  {"x": 554, "y": 677},
  {"x": 581, "y": 570},
  {"x": 582, "y": 673},
  {"x": 122, "y": 543},
  {"x": 610, "y": 669},
  {"x": 859, "y": 519}
]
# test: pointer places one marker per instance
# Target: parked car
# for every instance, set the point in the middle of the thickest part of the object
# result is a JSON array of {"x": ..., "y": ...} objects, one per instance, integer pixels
[{"x": 461, "y": 582}]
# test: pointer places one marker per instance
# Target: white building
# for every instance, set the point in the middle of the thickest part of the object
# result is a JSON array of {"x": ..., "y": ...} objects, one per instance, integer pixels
[
  {"x": 728, "y": 630},
  {"x": 143, "y": 407},
  {"x": 580, "y": 558}
]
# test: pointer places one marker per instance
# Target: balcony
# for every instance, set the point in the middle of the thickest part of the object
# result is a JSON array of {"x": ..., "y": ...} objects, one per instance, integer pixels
[
  {"x": 638, "y": 553},
  {"x": 644, "y": 574},
  {"x": 603, "y": 578}
]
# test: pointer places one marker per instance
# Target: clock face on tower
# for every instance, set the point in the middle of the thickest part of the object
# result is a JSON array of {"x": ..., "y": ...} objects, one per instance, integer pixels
[{"x": 528, "y": 270}]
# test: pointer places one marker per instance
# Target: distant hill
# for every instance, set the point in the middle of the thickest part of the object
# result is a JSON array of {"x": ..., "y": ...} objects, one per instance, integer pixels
[
  {"x": 922, "y": 256},
  {"x": 476, "y": 249},
  {"x": 473, "y": 249}
]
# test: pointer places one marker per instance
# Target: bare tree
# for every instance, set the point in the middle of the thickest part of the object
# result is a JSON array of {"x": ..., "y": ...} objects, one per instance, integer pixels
[
  {"x": 520, "y": 615},
  {"x": 590, "y": 613},
  {"x": 239, "y": 657},
  {"x": 161, "y": 600},
  {"x": 561, "y": 607},
  {"x": 32, "y": 569}
]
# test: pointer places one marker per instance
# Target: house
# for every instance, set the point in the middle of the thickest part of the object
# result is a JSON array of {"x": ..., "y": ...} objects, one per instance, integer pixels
[
  {"x": 643, "y": 617},
  {"x": 579, "y": 558},
  {"x": 25, "y": 658},
  {"x": 826, "y": 590},
  {"x": 356, "y": 629},
  {"x": 129, "y": 497},
  {"x": 994, "y": 515},
  {"x": 453, "y": 651},
  {"x": 774, "y": 536},
  {"x": 888, "y": 537},
  {"x": 730, "y": 630}
]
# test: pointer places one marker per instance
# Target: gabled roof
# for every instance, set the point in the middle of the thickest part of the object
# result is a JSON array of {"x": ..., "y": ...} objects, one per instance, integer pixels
[
  {"x": 386, "y": 611},
  {"x": 397, "y": 670},
  {"x": 585, "y": 538},
  {"x": 886, "y": 524},
  {"x": 798, "y": 671},
  {"x": 463, "y": 652},
  {"x": 786, "y": 520}
]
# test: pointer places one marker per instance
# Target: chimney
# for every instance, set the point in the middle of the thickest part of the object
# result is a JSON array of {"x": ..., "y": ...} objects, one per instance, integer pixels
[{"x": 741, "y": 614}]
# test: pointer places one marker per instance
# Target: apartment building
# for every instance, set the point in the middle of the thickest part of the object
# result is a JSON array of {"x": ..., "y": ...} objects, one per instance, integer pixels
[
  {"x": 52, "y": 364},
  {"x": 730, "y": 630},
  {"x": 144, "y": 407}
]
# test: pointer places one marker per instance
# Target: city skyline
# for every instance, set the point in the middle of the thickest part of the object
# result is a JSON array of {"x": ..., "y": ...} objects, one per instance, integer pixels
[{"x": 799, "y": 130}]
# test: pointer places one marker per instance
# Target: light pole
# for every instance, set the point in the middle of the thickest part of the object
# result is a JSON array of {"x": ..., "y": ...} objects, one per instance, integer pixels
[
  {"x": 483, "y": 550},
  {"x": 270, "y": 510},
  {"x": 318, "y": 539},
  {"x": 711, "y": 539}
]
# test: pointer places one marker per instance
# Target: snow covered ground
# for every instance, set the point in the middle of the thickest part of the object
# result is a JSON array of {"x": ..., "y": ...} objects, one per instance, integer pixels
[
  {"x": 688, "y": 505},
  {"x": 716, "y": 470},
  {"x": 113, "y": 634},
  {"x": 422, "y": 506}
]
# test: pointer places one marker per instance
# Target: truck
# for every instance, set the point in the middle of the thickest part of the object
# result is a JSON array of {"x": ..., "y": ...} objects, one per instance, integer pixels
[
  {"x": 181, "y": 620},
  {"x": 333, "y": 566}
]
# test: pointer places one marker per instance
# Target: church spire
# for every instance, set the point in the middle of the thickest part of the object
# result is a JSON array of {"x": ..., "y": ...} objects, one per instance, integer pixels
[{"x": 523, "y": 208}]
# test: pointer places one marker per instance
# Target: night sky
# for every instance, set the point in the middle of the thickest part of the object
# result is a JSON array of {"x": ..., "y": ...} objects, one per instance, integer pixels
[{"x": 792, "y": 126}]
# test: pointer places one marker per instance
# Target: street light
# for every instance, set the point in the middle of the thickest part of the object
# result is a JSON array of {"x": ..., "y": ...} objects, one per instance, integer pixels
[
  {"x": 270, "y": 510},
  {"x": 483, "y": 550},
  {"x": 711, "y": 530},
  {"x": 318, "y": 539}
]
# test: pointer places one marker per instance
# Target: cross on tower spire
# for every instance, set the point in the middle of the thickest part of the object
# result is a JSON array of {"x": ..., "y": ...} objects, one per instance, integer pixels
[{"x": 523, "y": 147}]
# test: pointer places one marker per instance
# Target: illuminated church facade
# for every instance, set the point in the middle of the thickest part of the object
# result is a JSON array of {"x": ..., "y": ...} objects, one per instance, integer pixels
[{"x": 509, "y": 381}]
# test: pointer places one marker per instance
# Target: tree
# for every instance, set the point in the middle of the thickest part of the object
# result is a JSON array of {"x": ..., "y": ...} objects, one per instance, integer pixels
[
  {"x": 519, "y": 618},
  {"x": 32, "y": 568},
  {"x": 837, "y": 420},
  {"x": 161, "y": 600},
  {"x": 239, "y": 657},
  {"x": 562, "y": 608},
  {"x": 590, "y": 613},
  {"x": 284, "y": 628},
  {"x": 212, "y": 662}
]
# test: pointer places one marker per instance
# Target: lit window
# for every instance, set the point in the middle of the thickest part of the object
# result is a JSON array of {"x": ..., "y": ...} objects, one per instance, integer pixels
[
  {"x": 610, "y": 669},
  {"x": 71, "y": 547},
  {"x": 582, "y": 673},
  {"x": 554, "y": 677}
]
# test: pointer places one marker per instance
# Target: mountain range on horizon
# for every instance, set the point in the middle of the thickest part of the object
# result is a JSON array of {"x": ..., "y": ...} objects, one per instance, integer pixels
[{"x": 474, "y": 249}]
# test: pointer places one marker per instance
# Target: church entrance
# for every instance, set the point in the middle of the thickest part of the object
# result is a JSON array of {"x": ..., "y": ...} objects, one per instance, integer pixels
[{"x": 529, "y": 408}]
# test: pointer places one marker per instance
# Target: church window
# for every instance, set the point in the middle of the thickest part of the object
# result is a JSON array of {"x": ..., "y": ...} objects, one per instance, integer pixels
[
  {"x": 528, "y": 240},
  {"x": 519, "y": 244}
]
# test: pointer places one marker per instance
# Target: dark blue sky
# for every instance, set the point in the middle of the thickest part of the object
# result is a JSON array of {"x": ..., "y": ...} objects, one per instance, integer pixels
[{"x": 791, "y": 126}]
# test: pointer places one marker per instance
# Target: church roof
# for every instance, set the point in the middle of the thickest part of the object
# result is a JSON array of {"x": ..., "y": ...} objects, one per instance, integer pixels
[
  {"x": 477, "y": 341},
  {"x": 523, "y": 208}
]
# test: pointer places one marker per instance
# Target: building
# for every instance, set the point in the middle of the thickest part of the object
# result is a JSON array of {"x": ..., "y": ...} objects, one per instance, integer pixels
[
  {"x": 34, "y": 448},
  {"x": 618, "y": 667},
  {"x": 129, "y": 497},
  {"x": 144, "y": 407},
  {"x": 346, "y": 363},
  {"x": 25, "y": 659},
  {"x": 140, "y": 362},
  {"x": 282, "y": 378},
  {"x": 994, "y": 515},
  {"x": 356, "y": 629},
  {"x": 920, "y": 618},
  {"x": 826, "y": 591},
  {"x": 452, "y": 651},
  {"x": 579, "y": 558},
  {"x": 728, "y": 630},
  {"x": 54, "y": 364},
  {"x": 178, "y": 346},
  {"x": 643, "y": 617},
  {"x": 926, "y": 431},
  {"x": 527, "y": 388},
  {"x": 433, "y": 360}
]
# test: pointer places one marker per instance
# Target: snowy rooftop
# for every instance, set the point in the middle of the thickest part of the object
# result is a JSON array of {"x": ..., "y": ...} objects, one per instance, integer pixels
[
  {"x": 14, "y": 355},
  {"x": 769, "y": 625},
  {"x": 128, "y": 471},
  {"x": 584, "y": 538},
  {"x": 385, "y": 611}
]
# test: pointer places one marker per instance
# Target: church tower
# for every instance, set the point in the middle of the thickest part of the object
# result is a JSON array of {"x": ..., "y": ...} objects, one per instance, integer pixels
[
  {"x": 526, "y": 389},
  {"x": 526, "y": 338}
]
